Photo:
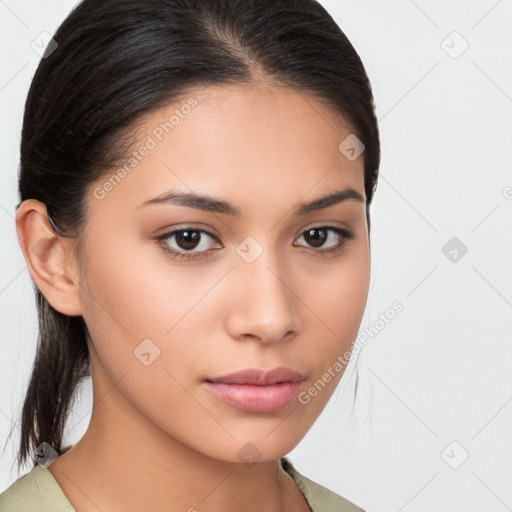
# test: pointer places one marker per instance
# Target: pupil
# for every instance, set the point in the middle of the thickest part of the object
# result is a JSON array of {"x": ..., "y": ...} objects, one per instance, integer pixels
[
  {"x": 187, "y": 239},
  {"x": 316, "y": 241}
]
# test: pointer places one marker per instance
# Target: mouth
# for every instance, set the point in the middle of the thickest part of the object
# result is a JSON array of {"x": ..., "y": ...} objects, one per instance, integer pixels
[{"x": 257, "y": 391}]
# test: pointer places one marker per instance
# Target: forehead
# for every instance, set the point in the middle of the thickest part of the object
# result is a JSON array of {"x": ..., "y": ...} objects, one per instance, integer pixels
[{"x": 252, "y": 143}]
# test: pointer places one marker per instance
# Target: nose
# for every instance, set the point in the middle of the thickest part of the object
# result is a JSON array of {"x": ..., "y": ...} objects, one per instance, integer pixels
[{"x": 263, "y": 305}]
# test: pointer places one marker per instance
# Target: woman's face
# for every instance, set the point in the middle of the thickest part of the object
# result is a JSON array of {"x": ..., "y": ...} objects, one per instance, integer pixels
[{"x": 260, "y": 283}]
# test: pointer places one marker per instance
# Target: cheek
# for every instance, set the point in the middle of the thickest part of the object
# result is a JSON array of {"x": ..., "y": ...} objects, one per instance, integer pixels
[
  {"x": 337, "y": 303},
  {"x": 128, "y": 301},
  {"x": 139, "y": 292},
  {"x": 335, "y": 300}
]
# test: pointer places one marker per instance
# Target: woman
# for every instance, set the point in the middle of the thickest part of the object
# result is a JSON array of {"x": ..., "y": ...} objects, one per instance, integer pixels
[{"x": 195, "y": 184}]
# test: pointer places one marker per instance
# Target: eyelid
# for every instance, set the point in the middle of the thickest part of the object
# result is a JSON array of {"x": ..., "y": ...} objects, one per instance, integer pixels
[
  {"x": 343, "y": 233},
  {"x": 184, "y": 255},
  {"x": 183, "y": 226},
  {"x": 175, "y": 230},
  {"x": 325, "y": 224},
  {"x": 169, "y": 230}
]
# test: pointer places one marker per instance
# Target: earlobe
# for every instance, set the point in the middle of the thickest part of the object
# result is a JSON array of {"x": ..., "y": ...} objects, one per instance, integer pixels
[{"x": 48, "y": 258}]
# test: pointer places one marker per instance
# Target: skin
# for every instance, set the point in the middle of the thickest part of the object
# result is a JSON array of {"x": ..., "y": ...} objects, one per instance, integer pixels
[{"x": 157, "y": 436}]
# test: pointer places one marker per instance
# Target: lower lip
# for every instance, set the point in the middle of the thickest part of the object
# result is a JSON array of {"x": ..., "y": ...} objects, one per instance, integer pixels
[{"x": 253, "y": 398}]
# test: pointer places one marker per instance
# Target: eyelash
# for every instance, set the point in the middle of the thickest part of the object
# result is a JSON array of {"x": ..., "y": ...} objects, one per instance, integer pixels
[{"x": 344, "y": 235}]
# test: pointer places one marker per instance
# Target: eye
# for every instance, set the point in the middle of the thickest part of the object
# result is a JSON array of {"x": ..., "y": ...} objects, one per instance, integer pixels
[
  {"x": 333, "y": 237},
  {"x": 188, "y": 242},
  {"x": 191, "y": 243}
]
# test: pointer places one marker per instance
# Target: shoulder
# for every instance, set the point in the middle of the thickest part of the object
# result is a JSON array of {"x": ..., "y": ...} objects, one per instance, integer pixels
[
  {"x": 36, "y": 491},
  {"x": 320, "y": 498}
]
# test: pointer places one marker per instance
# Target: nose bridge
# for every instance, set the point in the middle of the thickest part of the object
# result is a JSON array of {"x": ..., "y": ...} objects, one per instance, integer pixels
[{"x": 264, "y": 305}]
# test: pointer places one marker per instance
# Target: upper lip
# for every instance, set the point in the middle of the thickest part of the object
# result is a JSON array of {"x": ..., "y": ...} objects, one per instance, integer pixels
[{"x": 260, "y": 377}]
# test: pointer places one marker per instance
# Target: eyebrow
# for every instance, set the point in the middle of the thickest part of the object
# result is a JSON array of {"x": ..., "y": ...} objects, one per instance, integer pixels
[{"x": 209, "y": 204}]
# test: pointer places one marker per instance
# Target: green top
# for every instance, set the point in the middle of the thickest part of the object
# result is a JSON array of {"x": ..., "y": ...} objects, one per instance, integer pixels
[{"x": 38, "y": 491}]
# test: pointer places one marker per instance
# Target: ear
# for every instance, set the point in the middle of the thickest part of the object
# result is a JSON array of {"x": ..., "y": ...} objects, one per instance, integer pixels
[{"x": 49, "y": 258}]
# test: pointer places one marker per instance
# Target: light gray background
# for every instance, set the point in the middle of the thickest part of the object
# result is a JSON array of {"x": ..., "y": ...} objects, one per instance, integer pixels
[{"x": 435, "y": 382}]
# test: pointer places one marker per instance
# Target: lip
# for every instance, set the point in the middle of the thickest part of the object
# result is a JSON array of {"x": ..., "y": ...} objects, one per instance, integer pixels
[
  {"x": 256, "y": 390},
  {"x": 260, "y": 377}
]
